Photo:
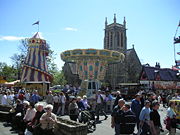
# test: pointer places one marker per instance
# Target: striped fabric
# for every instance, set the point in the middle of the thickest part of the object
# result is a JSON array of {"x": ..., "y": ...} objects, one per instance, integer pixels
[{"x": 35, "y": 67}]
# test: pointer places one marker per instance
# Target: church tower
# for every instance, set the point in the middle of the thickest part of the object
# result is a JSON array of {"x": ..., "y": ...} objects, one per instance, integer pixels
[{"x": 115, "y": 36}]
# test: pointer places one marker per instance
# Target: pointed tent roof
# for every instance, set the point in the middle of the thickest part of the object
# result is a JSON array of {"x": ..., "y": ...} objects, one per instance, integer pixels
[{"x": 36, "y": 35}]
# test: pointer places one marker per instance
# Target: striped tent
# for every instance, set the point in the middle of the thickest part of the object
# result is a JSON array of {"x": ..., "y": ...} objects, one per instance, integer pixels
[{"x": 35, "y": 69}]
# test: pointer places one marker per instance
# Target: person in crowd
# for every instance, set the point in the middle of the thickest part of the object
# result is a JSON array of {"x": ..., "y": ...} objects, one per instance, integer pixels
[
  {"x": 35, "y": 124},
  {"x": 136, "y": 107},
  {"x": 155, "y": 119},
  {"x": 62, "y": 102},
  {"x": 172, "y": 117},
  {"x": 80, "y": 103},
  {"x": 159, "y": 99},
  {"x": 142, "y": 99},
  {"x": 35, "y": 97},
  {"x": 55, "y": 103},
  {"x": 18, "y": 108},
  {"x": 100, "y": 106},
  {"x": 16, "y": 95},
  {"x": 21, "y": 96},
  {"x": 49, "y": 98},
  {"x": 4, "y": 99},
  {"x": 73, "y": 110},
  {"x": 1, "y": 95},
  {"x": 144, "y": 118},
  {"x": 27, "y": 95},
  {"x": 48, "y": 120},
  {"x": 116, "y": 116},
  {"x": 108, "y": 101},
  {"x": 85, "y": 102},
  {"x": 128, "y": 122},
  {"x": 118, "y": 96},
  {"x": 176, "y": 97},
  {"x": 10, "y": 98},
  {"x": 30, "y": 113},
  {"x": 164, "y": 99},
  {"x": 21, "y": 91},
  {"x": 150, "y": 98}
]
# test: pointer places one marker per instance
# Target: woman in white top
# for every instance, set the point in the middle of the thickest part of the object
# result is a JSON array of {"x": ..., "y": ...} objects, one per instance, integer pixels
[
  {"x": 85, "y": 102},
  {"x": 30, "y": 113},
  {"x": 172, "y": 115}
]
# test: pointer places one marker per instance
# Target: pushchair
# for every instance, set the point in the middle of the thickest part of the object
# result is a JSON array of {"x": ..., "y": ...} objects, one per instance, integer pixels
[{"x": 88, "y": 117}]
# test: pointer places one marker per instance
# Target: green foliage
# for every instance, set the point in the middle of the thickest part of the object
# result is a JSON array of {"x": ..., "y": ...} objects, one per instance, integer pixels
[
  {"x": 9, "y": 72},
  {"x": 59, "y": 78}
]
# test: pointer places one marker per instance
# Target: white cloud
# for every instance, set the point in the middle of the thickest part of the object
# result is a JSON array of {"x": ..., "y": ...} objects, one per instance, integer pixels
[
  {"x": 10, "y": 38},
  {"x": 70, "y": 29}
]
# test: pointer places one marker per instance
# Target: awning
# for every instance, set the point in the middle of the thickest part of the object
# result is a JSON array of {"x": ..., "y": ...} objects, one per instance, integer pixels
[{"x": 11, "y": 83}]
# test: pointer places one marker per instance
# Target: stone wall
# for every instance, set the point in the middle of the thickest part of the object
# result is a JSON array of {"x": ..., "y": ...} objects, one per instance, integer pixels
[
  {"x": 4, "y": 112},
  {"x": 63, "y": 126},
  {"x": 68, "y": 127}
]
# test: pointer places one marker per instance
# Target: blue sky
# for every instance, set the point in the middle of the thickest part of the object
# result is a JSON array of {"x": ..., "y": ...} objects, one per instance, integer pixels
[{"x": 70, "y": 24}]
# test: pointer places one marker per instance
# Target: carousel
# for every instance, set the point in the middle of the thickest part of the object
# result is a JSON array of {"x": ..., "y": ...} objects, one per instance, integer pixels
[{"x": 91, "y": 65}]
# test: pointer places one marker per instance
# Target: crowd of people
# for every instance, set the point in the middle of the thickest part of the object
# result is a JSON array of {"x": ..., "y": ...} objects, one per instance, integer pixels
[
  {"x": 28, "y": 114},
  {"x": 142, "y": 112}
]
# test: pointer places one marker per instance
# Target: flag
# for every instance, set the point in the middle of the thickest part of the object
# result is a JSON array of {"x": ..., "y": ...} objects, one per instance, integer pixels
[
  {"x": 179, "y": 23},
  {"x": 36, "y": 23}
]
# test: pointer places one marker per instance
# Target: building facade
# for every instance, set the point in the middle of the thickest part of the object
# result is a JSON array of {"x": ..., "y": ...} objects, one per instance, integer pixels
[
  {"x": 127, "y": 71},
  {"x": 160, "y": 79}
]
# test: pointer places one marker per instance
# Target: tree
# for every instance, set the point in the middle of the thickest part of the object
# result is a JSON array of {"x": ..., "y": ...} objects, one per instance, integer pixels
[
  {"x": 23, "y": 47},
  {"x": 17, "y": 60},
  {"x": 9, "y": 72},
  {"x": 59, "y": 78}
]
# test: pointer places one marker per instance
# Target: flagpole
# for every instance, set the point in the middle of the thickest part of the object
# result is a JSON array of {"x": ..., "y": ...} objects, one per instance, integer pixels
[{"x": 38, "y": 27}]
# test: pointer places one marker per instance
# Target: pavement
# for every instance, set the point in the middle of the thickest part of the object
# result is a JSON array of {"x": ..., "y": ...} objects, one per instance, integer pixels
[
  {"x": 103, "y": 128},
  {"x": 6, "y": 130}
]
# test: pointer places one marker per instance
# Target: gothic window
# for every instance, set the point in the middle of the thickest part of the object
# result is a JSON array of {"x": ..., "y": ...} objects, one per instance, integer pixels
[
  {"x": 118, "y": 43},
  {"x": 111, "y": 39},
  {"x": 108, "y": 40},
  {"x": 121, "y": 39}
]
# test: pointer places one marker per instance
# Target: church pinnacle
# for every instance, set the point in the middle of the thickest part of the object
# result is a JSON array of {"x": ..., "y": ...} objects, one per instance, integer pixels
[
  {"x": 106, "y": 23},
  {"x": 114, "y": 18},
  {"x": 124, "y": 23}
]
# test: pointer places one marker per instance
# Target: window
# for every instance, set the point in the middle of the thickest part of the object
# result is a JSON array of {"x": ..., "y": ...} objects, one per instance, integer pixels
[
  {"x": 118, "y": 37},
  {"x": 90, "y": 68},
  {"x": 122, "y": 39},
  {"x": 111, "y": 39}
]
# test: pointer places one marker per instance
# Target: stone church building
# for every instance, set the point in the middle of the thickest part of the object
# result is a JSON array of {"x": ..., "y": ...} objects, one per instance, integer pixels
[{"x": 127, "y": 71}]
